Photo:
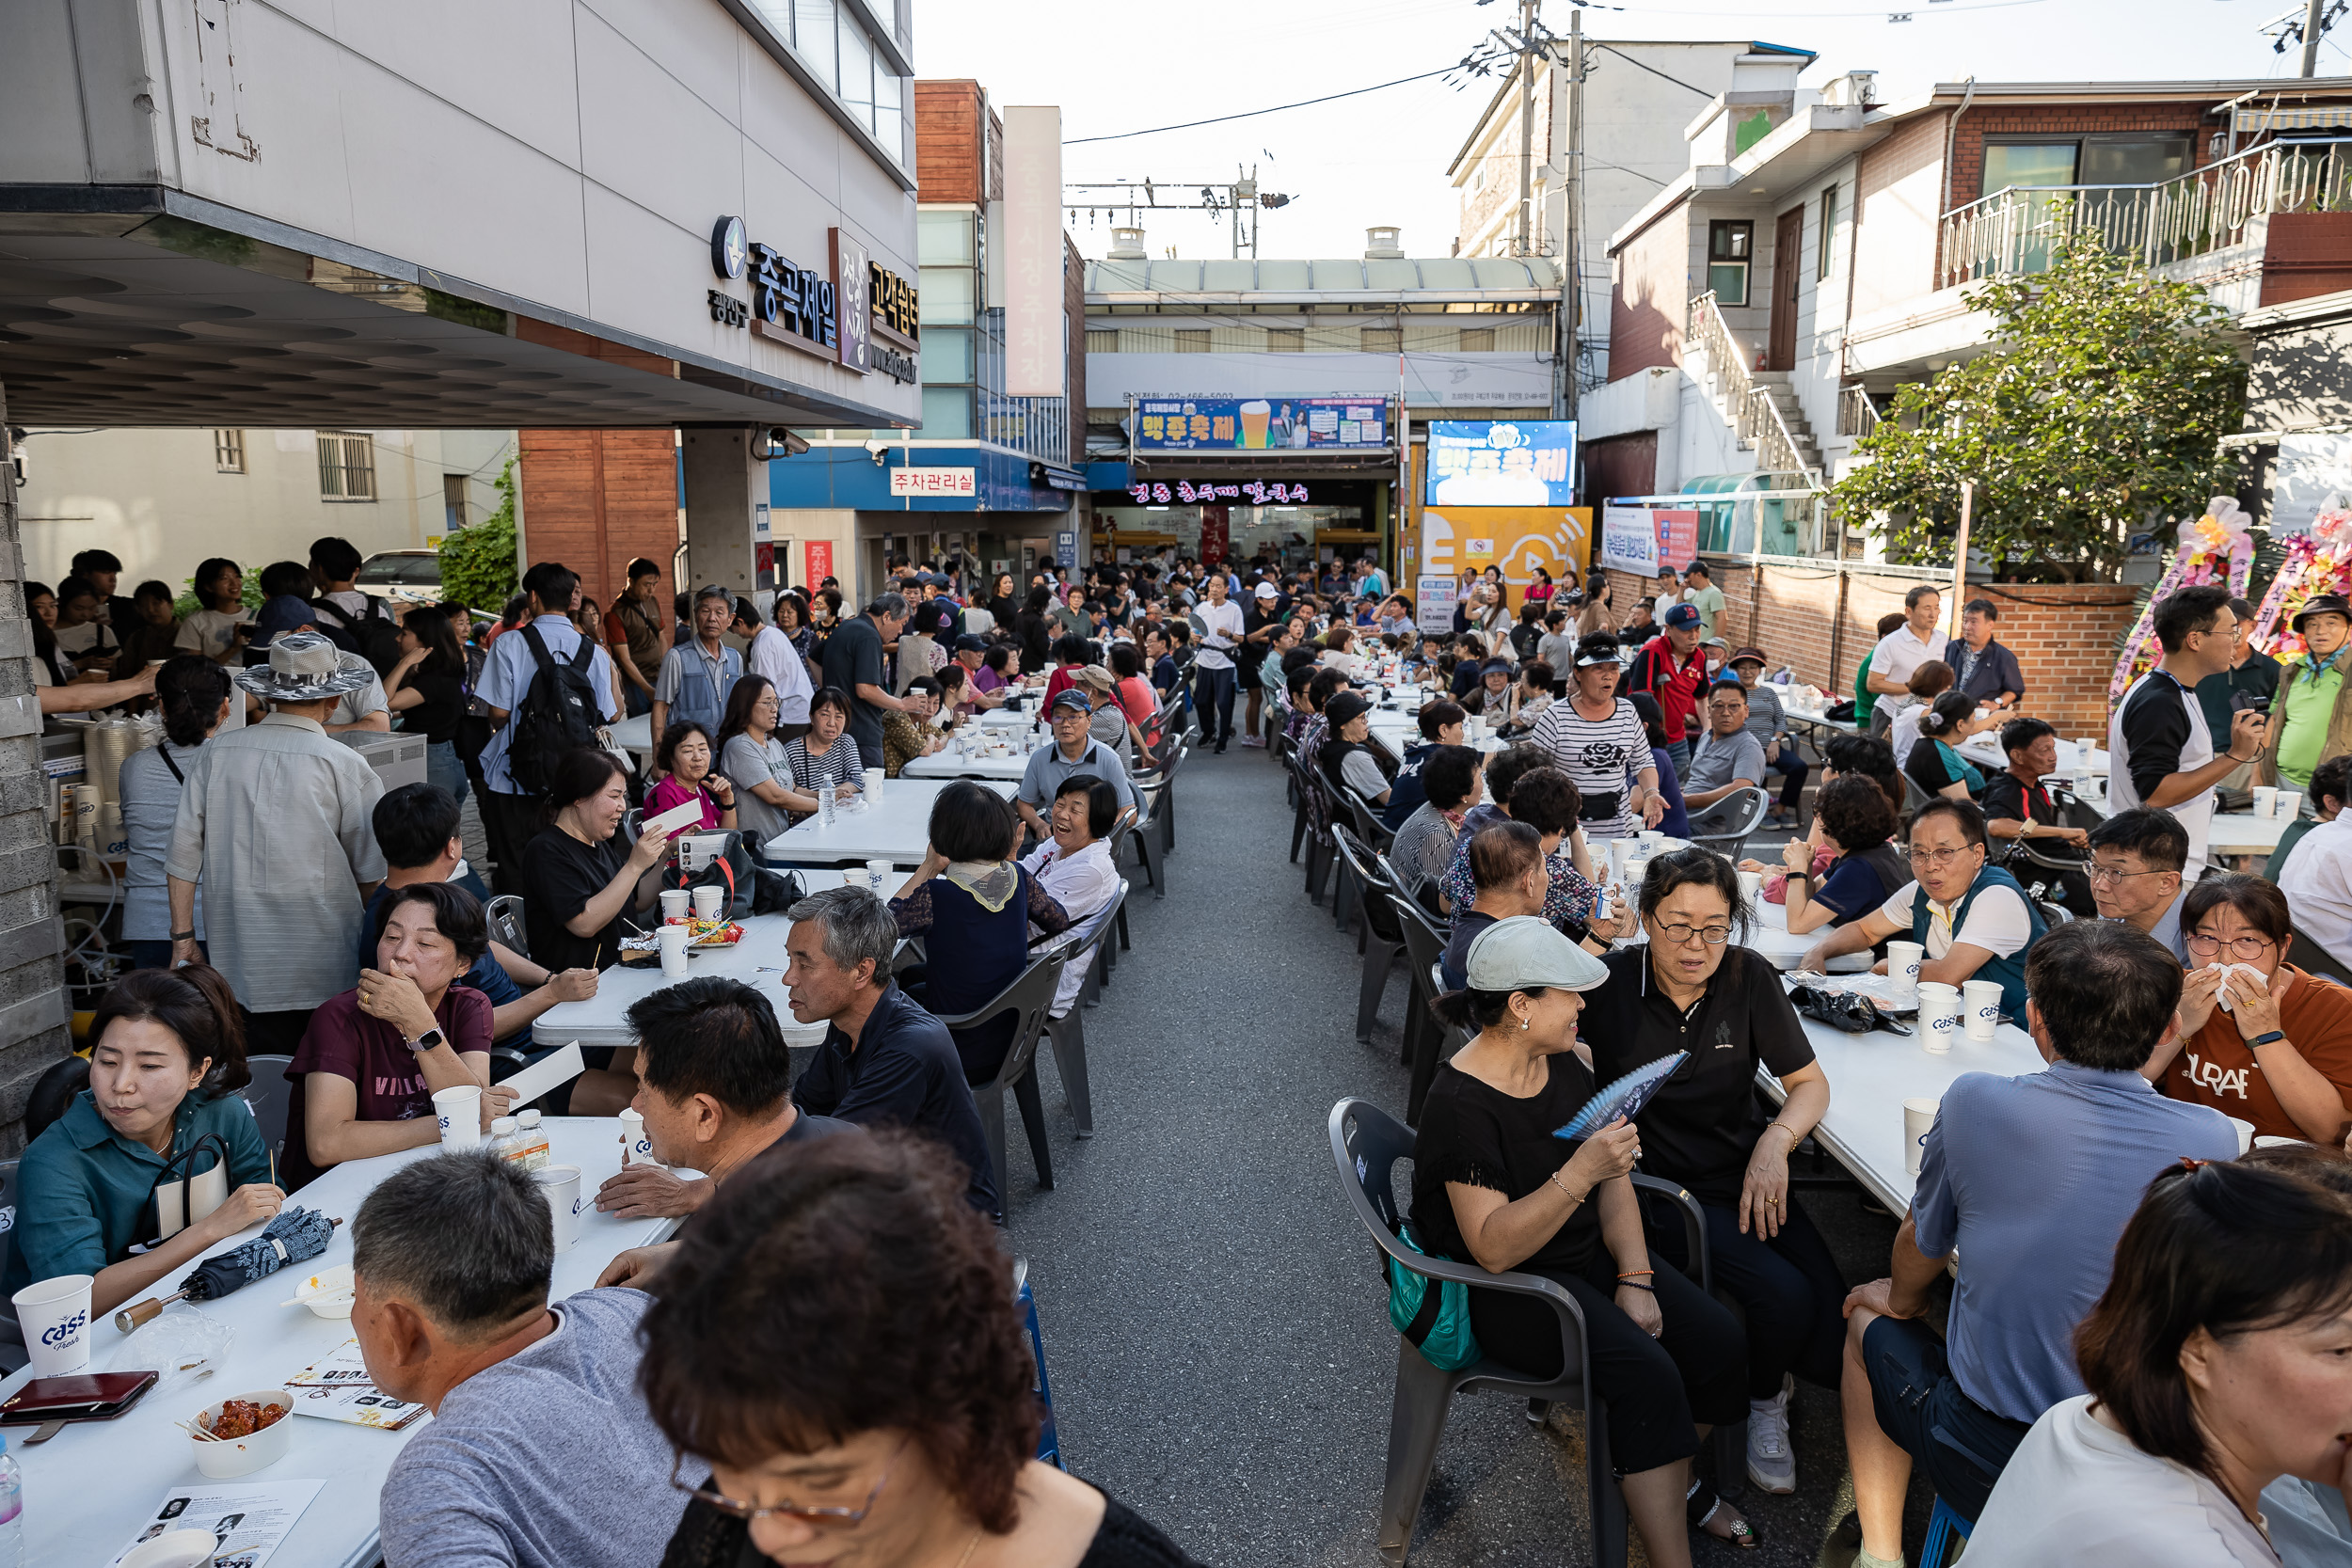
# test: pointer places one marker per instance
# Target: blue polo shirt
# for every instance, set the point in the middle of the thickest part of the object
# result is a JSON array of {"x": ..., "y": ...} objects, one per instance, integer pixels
[
  {"x": 902, "y": 1070},
  {"x": 85, "y": 1194},
  {"x": 2032, "y": 1180}
]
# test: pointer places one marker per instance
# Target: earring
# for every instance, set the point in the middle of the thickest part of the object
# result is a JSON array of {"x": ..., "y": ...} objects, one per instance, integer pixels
[{"x": 1526, "y": 1024}]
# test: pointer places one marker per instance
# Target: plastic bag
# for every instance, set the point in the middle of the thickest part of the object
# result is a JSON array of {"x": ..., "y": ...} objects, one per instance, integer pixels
[{"x": 182, "y": 1345}]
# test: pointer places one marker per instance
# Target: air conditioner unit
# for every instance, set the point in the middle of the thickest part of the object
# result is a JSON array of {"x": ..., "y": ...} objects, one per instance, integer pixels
[{"x": 398, "y": 759}]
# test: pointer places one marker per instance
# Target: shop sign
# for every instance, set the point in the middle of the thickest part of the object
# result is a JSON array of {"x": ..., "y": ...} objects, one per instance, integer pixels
[
  {"x": 894, "y": 363},
  {"x": 1256, "y": 492},
  {"x": 1433, "y": 605},
  {"x": 790, "y": 304},
  {"x": 1261, "y": 424},
  {"x": 853, "y": 311},
  {"x": 933, "y": 482},
  {"x": 897, "y": 305},
  {"x": 1641, "y": 539}
]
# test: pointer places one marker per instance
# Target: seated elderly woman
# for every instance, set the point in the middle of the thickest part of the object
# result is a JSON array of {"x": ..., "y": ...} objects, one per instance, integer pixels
[
  {"x": 1851, "y": 819},
  {"x": 1690, "y": 988},
  {"x": 1525, "y": 787},
  {"x": 972, "y": 903},
  {"x": 2280, "y": 1054},
  {"x": 1348, "y": 755},
  {"x": 373, "y": 1058},
  {"x": 1935, "y": 763},
  {"x": 1493, "y": 698},
  {"x": 914, "y": 1437},
  {"x": 686, "y": 761},
  {"x": 1422, "y": 850},
  {"x": 1492, "y": 1186},
  {"x": 2215, "y": 1363},
  {"x": 161, "y": 1106}
]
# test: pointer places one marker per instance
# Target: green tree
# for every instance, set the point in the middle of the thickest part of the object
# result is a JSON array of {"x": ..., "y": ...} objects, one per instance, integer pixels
[
  {"x": 479, "y": 563},
  {"x": 2095, "y": 413}
]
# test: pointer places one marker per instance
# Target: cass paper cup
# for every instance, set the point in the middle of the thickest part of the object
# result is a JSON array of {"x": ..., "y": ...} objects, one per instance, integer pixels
[
  {"x": 560, "y": 1186},
  {"x": 875, "y": 778},
  {"x": 2266, "y": 800},
  {"x": 672, "y": 940},
  {"x": 1939, "y": 1014},
  {"x": 179, "y": 1548},
  {"x": 1618, "y": 849},
  {"x": 2289, "y": 804},
  {"x": 54, "y": 1316},
  {"x": 707, "y": 902},
  {"x": 1751, "y": 887},
  {"x": 877, "y": 878},
  {"x": 1902, "y": 968},
  {"x": 460, "y": 1110},
  {"x": 1981, "y": 1004},
  {"x": 674, "y": 903},
  {"x": 1651, "y": 840},
  {"x": 1918, "y": 1116}
]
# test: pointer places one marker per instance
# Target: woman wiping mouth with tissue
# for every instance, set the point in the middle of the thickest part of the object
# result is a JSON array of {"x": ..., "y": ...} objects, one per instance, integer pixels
[{"x": 2259, "y": 1039}]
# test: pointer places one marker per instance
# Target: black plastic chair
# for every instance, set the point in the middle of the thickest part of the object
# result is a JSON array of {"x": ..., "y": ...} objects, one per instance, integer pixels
[
  {"x": 1366, "y": 1143},
  {"x": 1383, "y": 939},
  {"x": 1150, "y": 800},
  {"x": 2314, "y": 960},
  {"x": 1425, "y": 1039},
  {"x": 270, "y": 1097},
  {"x": 1068, "y": 1034},
  {"x": 1032, "y": 997},
  {"x": 1725, "y": 826},
  {"x": 504, "y": 915},
  {"x": 1318, "y": 838}
]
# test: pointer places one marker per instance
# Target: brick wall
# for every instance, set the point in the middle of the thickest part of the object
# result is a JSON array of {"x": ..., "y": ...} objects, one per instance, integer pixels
[
  {"x": 1821, "y": 621},
  {"x": 2061, "y": 121}
]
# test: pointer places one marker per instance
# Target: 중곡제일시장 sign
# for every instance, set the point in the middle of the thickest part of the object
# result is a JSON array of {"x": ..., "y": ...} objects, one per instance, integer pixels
[
  {"x": 1260, "y": 424},
  {"x": 858, "y": 312}
]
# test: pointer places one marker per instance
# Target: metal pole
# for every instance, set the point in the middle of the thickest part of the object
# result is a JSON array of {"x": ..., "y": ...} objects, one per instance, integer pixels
[
  {"x": 2311, "y": 38},
  {"x": 1527, "y": 119},
  {"x": 1572, "y": 223}
]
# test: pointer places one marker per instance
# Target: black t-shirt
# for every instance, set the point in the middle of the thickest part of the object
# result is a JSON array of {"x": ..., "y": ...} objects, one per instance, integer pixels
[
  {"x": 1926, "y": 768},
  {"x": 1476, "y": 1134},
  {"x": 902, "y": 1070},
  {"x": 853, "y": 658},
  {"x": 560, "y": 876},
  {"x": 1454, "y": 965},
  {"x": 1701, "y": 1127},
  {"x": 2008, "y": 795},
  {"x": 444, "y": 704}
]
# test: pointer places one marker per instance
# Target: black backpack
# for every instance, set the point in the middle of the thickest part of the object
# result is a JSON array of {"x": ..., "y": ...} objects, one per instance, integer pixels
[
  {"x": 558, "y": 714},
  {"x": 375, "y": 636}
]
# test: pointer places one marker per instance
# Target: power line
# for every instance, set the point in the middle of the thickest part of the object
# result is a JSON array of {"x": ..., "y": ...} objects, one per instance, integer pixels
[
  {"x": 1250, "y": 114},
  {"x": 1654, "y": 70}
]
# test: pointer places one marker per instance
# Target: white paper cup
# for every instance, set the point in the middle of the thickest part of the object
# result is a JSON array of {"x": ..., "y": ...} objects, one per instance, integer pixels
[
  {"x": 707, "y": 903},
  {"x": 877, "y": 878},
  {"x": 638, "y": 1147},
  {"x": 2266, "y": 800},
  {"x": 1980, "y": 1006},
  {"x": 1751, "y": 887},
  {"x": 2244, "y": 1134},
  {"x": 1939, "y": 1014},
  {"x": 1636, "y": 867},
  {"x": 674, "y": 903},
  {"x": 1650, "y": 839},
  {"x": 560, "y": 1186},
  {"x": 179, "y": 1548},
  {"x": 55, "y": 1315},
  {"x": 1918, "y": 1116},
  {"x": 673, "y": 940},
  {"x": 874, "y": 780},
  {"x": 2268, "y": 1140},
  {"x": 2289, "y": 804},
  {"x": 1902, "y": 968},
  {"x": 1618, "y": 848},
  {"x": 460, "y": 1110}
]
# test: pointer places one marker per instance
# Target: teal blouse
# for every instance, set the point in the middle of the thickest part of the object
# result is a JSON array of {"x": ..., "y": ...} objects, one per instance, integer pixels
[{"x": 86, "y": 1193}]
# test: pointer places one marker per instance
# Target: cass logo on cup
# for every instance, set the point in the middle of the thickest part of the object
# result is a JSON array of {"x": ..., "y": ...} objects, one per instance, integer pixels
[
  {"x": 65, "y": 1332},
  {"x": 576, "y": 1202}
]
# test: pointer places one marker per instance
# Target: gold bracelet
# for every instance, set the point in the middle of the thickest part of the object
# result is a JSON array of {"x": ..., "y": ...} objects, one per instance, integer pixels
[{"x": 1554, "y": 1180}]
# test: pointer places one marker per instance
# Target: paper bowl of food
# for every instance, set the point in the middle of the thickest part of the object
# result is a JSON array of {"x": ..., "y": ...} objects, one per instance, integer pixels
[
  {"x": 247, "y": 1432},
  {"x": 328, "y": 1293}
]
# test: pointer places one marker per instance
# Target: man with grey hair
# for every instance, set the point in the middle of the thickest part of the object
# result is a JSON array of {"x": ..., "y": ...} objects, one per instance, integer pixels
[
  {"x": 452, "y": 1256},
  {"x": 854, "y": 663},
  {"x": 885, "y": 1061},
  {"x": 698, "y": 671}
]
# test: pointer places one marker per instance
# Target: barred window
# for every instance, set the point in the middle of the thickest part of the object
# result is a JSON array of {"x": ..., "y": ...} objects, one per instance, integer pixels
[
  {"x": 346, "y": 465},
  {"x": 228, "y": 451}
]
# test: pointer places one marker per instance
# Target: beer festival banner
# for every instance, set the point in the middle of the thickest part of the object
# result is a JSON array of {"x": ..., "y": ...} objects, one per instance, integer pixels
[{"x": 1261, "y": 424}]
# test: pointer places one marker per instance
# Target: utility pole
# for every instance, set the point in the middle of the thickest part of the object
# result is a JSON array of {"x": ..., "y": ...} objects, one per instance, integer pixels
[
  {"x": 1529, "y": 53},
  {"x": 2311, "y": 26},
  {"x": 1572, "y": 219}
]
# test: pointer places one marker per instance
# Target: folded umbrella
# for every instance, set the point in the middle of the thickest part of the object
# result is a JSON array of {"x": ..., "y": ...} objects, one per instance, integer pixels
[{"x": 294, "y": 1235}]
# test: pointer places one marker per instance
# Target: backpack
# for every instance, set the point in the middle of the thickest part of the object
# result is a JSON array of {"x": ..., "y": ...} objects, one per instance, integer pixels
[
  {"x": 375, "y": 636},
  {"x": 558, "y": 714}
]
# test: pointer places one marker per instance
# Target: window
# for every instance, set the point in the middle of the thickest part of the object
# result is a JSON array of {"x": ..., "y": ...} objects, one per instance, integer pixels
[
  {"x": 228, "y": 451},
  {"x": 813, "y": 35},
  {"x": 948, "y": 297},
  {"x": 943, "y": 236},
  {"x": 2098, "y": 160},
  {"x": 1192, "y": 341},
  {"x": 1478, "y": 340},
  {"x": 1730, "y": 246},
  {"x": 946, "y": 414},
  {"x": 1380, "y": 340},
  {"x": 857, "y": 71},
  {"x": 2019, "y": 162},
  {"x": 1286, "y": 339},
  {"x": 946, "y": 358},
  {"x": 346, "y": 465},
  {"x": 1829, "y": 233},
  {"x": 453, "y": 501}
]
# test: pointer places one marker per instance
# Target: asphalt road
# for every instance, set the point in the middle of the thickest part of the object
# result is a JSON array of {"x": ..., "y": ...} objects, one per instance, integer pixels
[{"x": 1215, "y": 1325}]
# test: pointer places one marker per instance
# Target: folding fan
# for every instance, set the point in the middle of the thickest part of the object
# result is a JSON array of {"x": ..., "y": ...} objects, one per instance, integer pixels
[{"x": 1625, "y": 1098}]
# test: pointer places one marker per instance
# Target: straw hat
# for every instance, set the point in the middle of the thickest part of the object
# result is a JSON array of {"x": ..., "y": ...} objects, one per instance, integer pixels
[{"x": 304, "y": 667}]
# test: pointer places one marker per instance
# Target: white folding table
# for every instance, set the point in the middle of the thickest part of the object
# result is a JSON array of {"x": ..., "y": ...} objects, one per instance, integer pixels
[
  {"x": 952, "y": 765},
  {"x": 897, "y": 827}
]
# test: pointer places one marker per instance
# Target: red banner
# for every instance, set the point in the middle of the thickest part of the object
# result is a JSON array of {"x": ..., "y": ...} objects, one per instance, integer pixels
[
  {"x": 1215, "y": 521},
  {"x": 820, "y": 561}
]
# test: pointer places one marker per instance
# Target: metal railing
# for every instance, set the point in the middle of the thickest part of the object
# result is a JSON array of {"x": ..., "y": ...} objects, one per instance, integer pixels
[
  {"x": 2020, "y": 230},
  {"x": 1857, "y": 413},
  {"x": 1753, "y": 414},
  {"x": 1039, "y": 427}
]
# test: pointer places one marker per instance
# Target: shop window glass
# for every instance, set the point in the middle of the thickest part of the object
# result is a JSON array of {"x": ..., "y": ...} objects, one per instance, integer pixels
[
  {"x": 946, "y": 358},
  {"x": 943, "y": 239},
  {"x": 946, "y": 296},
  {"x": 814, "y": 25},
  {"x": 946, "y": 414}
]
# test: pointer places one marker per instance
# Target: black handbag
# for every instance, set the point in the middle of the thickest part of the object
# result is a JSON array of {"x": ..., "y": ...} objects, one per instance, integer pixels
[
  {"x": 750, "y": 888},
  {"x": 1840, "y": 1009}
]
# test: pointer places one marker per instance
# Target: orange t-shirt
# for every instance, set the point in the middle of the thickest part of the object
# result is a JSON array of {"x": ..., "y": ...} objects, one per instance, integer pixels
[{"x": 2215, "y": 1067}]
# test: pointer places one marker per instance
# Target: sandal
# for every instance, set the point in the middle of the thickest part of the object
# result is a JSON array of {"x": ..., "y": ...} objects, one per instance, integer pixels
[{"x": 1703, "y": 1506}]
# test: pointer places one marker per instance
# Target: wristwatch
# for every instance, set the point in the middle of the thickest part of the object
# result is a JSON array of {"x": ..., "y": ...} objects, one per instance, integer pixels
[
  {"x": 2271, "y": 1039},
  {"x": 426, "y": 1041}
]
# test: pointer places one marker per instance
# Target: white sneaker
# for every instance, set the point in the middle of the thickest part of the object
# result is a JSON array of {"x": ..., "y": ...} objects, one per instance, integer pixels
[{"x": 1772, "y": 1464}]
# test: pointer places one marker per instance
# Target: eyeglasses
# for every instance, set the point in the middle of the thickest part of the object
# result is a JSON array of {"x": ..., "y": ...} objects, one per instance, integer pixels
[
  {"x": 2109, "y": 874},
  {"x": 1941, "y": 857},
  {"x": 1680, "y": 934},
  {"x": 751, "y": 1515},
  {"x": 2249, "y": 948}
]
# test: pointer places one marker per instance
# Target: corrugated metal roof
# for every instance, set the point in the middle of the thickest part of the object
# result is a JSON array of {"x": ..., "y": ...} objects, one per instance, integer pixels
[{"x": 1446, "y": 274}]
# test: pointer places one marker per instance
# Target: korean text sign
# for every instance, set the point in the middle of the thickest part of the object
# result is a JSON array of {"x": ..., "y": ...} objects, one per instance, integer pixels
[{"x": 1261, "y": 424}]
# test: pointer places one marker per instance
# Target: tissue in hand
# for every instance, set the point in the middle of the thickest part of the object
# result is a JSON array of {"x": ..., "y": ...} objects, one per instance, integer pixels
[{"x": 2222, "y": 996}]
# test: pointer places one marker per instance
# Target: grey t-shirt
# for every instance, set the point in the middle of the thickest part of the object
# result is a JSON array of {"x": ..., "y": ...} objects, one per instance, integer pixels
[
  {"x": 548, "y": 1459},
  {"x": 1719, "y": 761},
  {"x": 1766, "y": 717},
  {"x": 746, "y": 763},
  {"x": 1558, "y": 651}
]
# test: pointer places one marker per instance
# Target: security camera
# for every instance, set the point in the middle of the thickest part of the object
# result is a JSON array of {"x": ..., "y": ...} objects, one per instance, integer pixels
[{"x": 877, "y": 450}]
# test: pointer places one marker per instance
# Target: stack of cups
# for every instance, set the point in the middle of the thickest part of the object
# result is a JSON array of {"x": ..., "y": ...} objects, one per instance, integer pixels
[
  {"x": 1918, "y": 1116},
  {"x": 672, "y": 940},
  {"x": 1980, "y": 1001},
  {"x": 1939, "y": 1015},
  {"x": 706, "y": 901},
  {"x": 54, "y": 1316},
  {"x": 675, "y": 901},
  {"x": 560, "y": 1186},
  {"x": 1902, "y": 970},
  {"x": 460, "y": 1109}
]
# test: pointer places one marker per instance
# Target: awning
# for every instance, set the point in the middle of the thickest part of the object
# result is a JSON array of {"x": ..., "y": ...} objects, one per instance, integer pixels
[{"x": 2303, "y": 117}]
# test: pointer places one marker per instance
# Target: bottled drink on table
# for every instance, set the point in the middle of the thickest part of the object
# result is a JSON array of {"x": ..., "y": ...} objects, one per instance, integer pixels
[
  {"x": 533, "y": 1140},
  {"x": 11, "y": 1510},
  {"x": 824, "y": 805},
  {"x": 504, "y": 1141}
]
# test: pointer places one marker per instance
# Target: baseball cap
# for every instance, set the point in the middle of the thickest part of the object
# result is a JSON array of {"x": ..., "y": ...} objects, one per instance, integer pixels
[
  {"x": 1745, "y": 656},
  {"x": 1070, "y": 696},
  {"x": 1525, "y": 952},
  {"x": 1682, "y": 617},
  {"x": 1268, "y": 590},
  {"x": 971, "y": 642}
]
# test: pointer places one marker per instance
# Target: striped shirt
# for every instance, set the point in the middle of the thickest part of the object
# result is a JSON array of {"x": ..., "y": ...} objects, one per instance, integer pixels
[
  {"x": 840, "y": 765},
  {"x": 1604, "y": 757},
  {"x": 275, "y": 820}
]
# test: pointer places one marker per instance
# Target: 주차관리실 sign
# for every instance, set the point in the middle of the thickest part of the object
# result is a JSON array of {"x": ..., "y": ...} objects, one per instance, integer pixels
[
  {"x": 1261, "y": 424},
  {"x": 933, "y": 482}
]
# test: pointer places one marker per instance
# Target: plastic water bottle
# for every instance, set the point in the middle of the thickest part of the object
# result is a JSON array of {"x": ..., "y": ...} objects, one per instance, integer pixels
[
  {"x": 11, "y": 1510},
  {"x": 824, "y": 806}
]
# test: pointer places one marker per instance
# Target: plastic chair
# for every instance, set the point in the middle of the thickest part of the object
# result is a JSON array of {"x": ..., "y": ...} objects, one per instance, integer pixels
[
  {"x": 1913, "y": 797},
  {"x": 1366, "y": 1143},
  {"x": 268, "y": 1096},
  {"x": 1944, "y": 1526},
  {"x": 1735, "y": 816},
  {"x": 1151, "y": 800},
  {"x": 1317, "y": 836},
  {"x": 1068, "y": 1033},
  {"x": 1048, "y": 1437},
  {"x": 1031, "y": 996},
  {"x": 504, "y": 914},
  {"x": 53, "y": 1092},
  {"x": 1383, "y": 938},
  {"x": 1425, "y": 1039},
  {"x": 2314, "y": 960}
]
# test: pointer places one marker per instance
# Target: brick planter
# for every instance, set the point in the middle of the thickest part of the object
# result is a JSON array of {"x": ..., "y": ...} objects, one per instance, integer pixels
[{"x": 1823, "y": 618}]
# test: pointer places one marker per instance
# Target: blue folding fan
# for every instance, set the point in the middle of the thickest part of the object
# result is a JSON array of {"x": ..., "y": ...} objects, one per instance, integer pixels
[{"x": 1625, "y": 1098}]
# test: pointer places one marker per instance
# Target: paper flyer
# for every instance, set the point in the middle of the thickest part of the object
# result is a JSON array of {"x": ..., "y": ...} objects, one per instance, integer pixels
[
  {"x": 247, "y": 1518},
  {"x": 336, "y": 1388}
]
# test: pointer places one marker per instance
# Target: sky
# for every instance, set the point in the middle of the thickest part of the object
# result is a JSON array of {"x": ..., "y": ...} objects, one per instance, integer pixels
[{"x": 1117, "y": 66}]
